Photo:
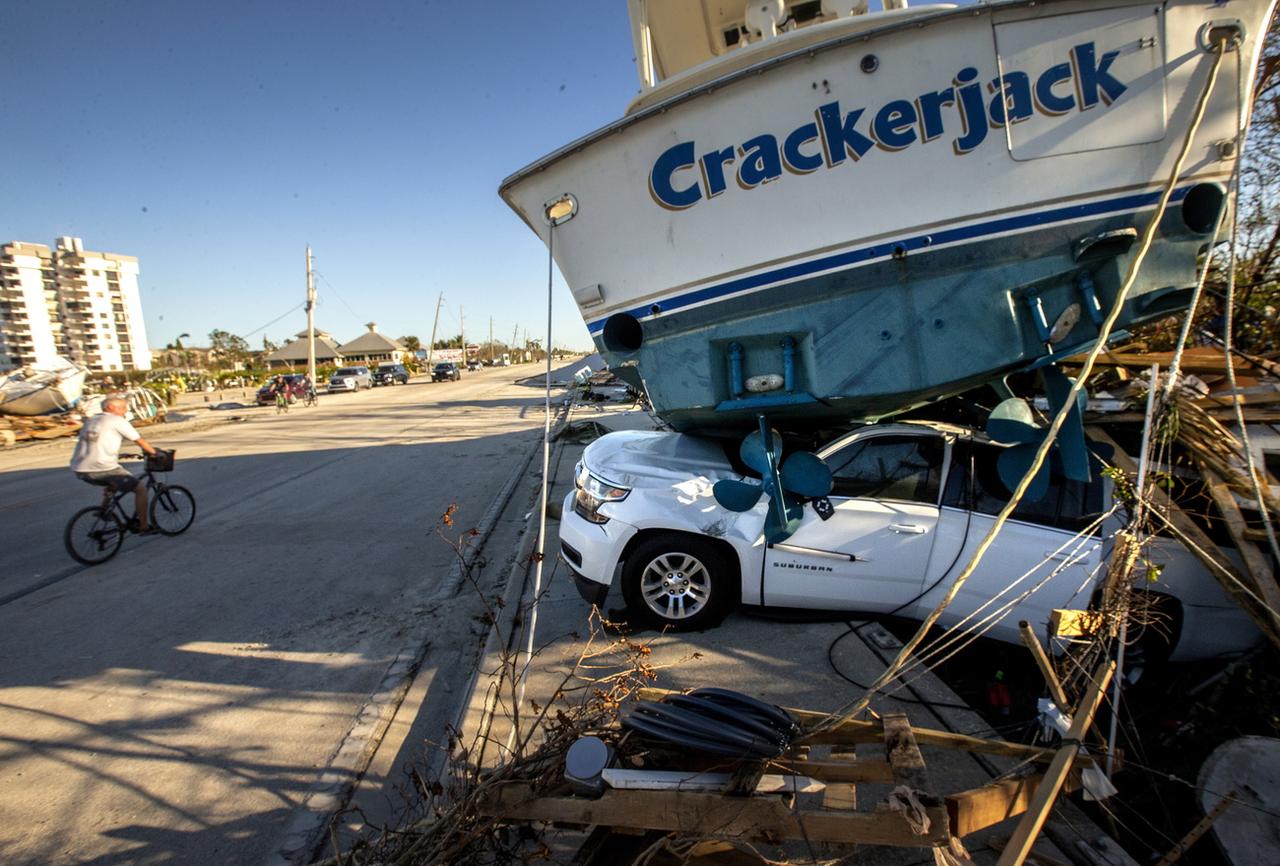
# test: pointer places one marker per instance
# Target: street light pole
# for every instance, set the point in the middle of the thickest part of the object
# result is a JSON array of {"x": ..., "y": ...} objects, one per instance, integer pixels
[{"x": 462, "y": 326}]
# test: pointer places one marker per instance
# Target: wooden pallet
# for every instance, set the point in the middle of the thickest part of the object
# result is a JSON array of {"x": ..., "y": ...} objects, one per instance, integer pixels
[{"x": 936, "y": 821}]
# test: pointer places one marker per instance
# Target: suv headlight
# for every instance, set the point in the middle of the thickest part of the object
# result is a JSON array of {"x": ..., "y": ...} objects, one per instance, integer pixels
[{"x": 594, "y": 492}]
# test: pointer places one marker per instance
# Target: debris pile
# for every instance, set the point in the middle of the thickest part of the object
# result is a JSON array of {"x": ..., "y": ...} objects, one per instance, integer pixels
[
  {"x": 24, "y": 428},
  {"x": 145, "y": 408}
]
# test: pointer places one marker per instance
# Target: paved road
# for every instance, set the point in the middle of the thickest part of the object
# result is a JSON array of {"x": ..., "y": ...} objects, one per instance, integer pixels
[{"x": 174, "y": 704}]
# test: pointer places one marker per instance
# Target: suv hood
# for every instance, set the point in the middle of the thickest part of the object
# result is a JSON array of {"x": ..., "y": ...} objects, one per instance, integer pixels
[{"x": 636, "y": 458}]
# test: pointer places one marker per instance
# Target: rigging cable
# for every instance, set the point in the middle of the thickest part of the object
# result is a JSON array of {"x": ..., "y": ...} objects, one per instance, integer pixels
[
  {"x": 1100, "y": 342},
  {"x": 958, "y": 638}
]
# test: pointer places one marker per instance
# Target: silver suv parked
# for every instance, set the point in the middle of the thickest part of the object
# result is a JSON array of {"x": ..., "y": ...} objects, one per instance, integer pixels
[{"x": 350, "y": 379}]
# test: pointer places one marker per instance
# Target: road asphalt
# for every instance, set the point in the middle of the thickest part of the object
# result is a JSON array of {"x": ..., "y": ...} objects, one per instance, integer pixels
[{"x": 178, "y": 703}]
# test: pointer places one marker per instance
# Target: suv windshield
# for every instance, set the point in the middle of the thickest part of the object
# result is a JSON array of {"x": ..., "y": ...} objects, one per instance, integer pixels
[
  {"x": 347, "y": 371},
  {"x": 444, "y": 365}
]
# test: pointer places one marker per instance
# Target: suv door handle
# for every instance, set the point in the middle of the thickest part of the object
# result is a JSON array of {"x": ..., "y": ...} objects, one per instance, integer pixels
[{"x": 907, "y": 529}]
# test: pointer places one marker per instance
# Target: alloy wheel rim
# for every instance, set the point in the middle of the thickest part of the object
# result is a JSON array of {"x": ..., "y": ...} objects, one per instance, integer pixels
[{"x": 675, "y": 586}]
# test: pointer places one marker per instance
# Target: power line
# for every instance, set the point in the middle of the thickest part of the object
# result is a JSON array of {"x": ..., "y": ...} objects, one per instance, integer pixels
[
  {"x": 338, "y": 295},
  {"x": 276, "y": 319}
]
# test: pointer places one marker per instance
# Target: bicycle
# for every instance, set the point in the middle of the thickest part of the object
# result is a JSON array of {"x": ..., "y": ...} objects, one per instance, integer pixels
[
  {"x": 311, "y": 398},
  {"x": 95, "y": 534},
  {"x": 282, "y": 402}
]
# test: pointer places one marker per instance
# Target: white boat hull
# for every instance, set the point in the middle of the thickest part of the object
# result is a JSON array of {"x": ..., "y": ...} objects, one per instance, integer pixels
[
  {"x": 859, "y": 192},
  {"x": 42, "y": 399}
]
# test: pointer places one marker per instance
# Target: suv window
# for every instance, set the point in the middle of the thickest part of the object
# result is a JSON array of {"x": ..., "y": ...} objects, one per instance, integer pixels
[
  {"x": 906, "y": 468},
  {"x": 347, "y": 371},
  {"x": 1066, "y": 505}
]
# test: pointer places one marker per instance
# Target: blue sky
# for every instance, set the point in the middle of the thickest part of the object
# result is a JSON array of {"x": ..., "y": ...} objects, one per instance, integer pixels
[{"x": 215, "y": 140}]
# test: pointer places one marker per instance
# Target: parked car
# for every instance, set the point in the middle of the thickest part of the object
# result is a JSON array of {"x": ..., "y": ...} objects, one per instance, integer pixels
[
  {"x": 350, "y": 379},
  {"x": 446, "y": 371},
  {"x": 294, "y": 384},
  {"x": 390, "y": 375},
  {"x": 911, "y": 502}
]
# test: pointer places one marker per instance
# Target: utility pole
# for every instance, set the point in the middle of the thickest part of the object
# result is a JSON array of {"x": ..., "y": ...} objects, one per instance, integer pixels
[
  {"x": 515, "y": 335},
  {"x": 462, "y": 326},
  {"x": 431, "y": 347},
  {"x": 311, "y": 322},
  {"x": 491, "y": 341}
]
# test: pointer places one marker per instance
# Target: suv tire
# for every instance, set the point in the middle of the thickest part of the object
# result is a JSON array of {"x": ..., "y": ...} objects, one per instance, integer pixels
[{"x": 677, "y": 581}]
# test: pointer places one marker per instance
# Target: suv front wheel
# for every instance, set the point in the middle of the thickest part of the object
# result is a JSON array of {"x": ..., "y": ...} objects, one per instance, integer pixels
[{"x": 677, "y": 581}]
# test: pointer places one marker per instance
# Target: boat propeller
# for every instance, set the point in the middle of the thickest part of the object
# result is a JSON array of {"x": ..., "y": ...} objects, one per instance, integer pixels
[
  {"x": 802, "y": 474},
  {"x": 1014, "y": 422}
]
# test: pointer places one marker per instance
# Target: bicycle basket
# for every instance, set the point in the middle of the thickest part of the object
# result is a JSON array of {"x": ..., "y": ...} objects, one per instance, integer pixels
[{"x": 161, "y": 461}]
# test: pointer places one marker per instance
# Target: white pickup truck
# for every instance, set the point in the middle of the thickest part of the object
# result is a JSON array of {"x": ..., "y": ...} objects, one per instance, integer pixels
[{"x": 911, "y": 503}]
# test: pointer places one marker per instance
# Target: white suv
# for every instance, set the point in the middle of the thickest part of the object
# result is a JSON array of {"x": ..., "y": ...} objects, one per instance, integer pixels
[
  {"x": 350, "y": 379},
  {"x": 910, "y": 504}
]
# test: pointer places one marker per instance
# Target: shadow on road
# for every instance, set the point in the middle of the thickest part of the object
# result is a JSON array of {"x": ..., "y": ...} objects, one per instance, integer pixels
[{"x": 175, "y": 703}]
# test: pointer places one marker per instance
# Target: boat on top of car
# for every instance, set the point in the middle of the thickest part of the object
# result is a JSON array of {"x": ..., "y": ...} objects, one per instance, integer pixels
[
  {"x": 824, "y": 213},
  {"x": 909, "y": 505}
]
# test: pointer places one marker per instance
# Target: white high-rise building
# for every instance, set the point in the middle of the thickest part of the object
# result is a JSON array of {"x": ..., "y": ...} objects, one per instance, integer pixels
[
  {"x": 73, "y": 302},
  {"x": 29, "y": 323}
]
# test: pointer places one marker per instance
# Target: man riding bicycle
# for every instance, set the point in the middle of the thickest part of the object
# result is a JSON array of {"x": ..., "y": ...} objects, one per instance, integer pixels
[{"x": 96, "y": 458}]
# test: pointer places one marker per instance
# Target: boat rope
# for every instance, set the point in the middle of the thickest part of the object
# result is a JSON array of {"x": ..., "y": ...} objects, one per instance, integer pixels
[
  {"x": 1228, "y": 315},
  {"x": 540, "y": 555},
  {"x": 1042, "y": 453}
]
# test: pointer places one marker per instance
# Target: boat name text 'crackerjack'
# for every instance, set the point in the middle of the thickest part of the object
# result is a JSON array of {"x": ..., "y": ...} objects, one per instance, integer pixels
[{"x": 1083, "y": 82}]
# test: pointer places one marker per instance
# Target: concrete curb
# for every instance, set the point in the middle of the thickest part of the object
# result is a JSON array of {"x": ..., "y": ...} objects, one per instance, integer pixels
[
  {"x": 477, "y": 713},
  {"x": 330, "y": 793}
]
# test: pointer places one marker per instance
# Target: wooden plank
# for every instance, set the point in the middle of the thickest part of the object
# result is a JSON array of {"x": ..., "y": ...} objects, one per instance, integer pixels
[
  {"x": 903, "y": 754},
  {"x": 766, "y": 818},
  {"x": 841, "y": 795},
  {"x": 1192, "y": 362},
  {"x": 838, "y": 770},
  {"x": 1056, "y": 775},
  {"x": 1194, "y": 834},
  {"x": 1255, "y": 563},
  {"x": 688, "y": 780},
  {"x": 980, "y": 808},
  {"x": 1035, "y": 858},
  {"x": 1031, "y": 642}
]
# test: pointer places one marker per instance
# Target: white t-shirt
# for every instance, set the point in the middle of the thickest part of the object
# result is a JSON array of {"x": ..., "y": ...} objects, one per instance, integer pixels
[{"x": 98, "y": 448}]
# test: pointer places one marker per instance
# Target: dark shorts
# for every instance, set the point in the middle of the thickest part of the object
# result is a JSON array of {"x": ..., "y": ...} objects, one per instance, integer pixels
[{"x": 115, "y": 480}]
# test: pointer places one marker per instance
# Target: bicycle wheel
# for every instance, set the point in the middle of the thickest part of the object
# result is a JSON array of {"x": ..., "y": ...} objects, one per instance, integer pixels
[
  {"x": 93, "y": 535},
  {"x": 172, "y": 509}
]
